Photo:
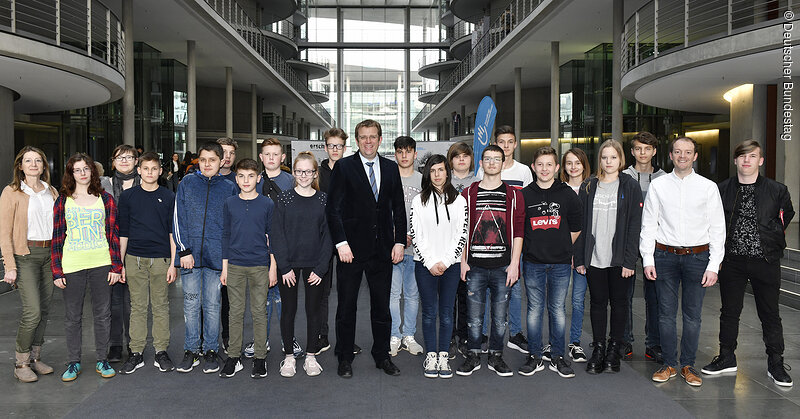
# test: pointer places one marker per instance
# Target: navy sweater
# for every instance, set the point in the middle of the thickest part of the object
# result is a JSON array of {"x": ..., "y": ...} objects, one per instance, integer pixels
[
  {"x": 145, "y": 218},
  {"x": 247, "y": 222}
]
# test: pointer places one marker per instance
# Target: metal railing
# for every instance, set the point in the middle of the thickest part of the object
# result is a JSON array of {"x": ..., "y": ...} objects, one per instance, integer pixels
[
  {"x": 231, "y": 12},
  {"x": 87, "y": 27},
  {"x": 663, "y": 26},
  {"x": 284, "y": 28},
  {"x": 462, "y": 28},
  {"x": 487, "y": 41}
]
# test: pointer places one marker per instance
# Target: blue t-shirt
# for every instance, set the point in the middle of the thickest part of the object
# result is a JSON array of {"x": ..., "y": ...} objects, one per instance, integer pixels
[
  {"x": 145, "y": 218},
  {"x": 245, "y": 226}
]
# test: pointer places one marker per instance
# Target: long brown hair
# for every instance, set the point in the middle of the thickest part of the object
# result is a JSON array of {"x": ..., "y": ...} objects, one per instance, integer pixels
[
  {"x": 19, "y": 175},
  {"x": 305, "y": 155},
  {"x": 581, "y": 155},
  {"x": 68, "y": 181},
  {"x": 617, "y": 146}
]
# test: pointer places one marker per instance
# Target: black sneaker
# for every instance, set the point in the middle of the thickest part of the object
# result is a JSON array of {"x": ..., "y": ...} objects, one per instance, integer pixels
[
  {"x": 627, "y": 350},
  {"x": 532, "y": 366},
  {"x": 576, "y": 352},
  {"x": 546, "y": 352},
  {"x": 654, "y": 353},
  {"x": 721, "y": 364},
  {"x": 462, "y": 347},
  {"x": 211, "y": 363},
  {"x": 162, "y": 362},
  {"x": 232, "y": 366},
  {"x": 559, "y": 365},
  {"x": 115, "y": 354},
  {"x": 518, "y": 342},
  {"x": 484, "y": 344},
  {"x": 190, "y": 360},
  {"x": 472, "y": 363},
  {"x": 777, "y": 371},
  {"x": 259, "y": 368},
  {"x": 453, "y": 350},
  {"x": 499, "y": 366},
  {"x": 356, "y": 349},
  {"x": 297, "y": 350},
  {"x": 323, "y": 344},
  {"x": 134, "y": 362}
]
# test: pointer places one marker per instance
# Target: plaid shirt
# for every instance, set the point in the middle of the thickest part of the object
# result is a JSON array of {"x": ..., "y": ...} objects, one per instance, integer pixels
[{"x": 60, "y": 235}]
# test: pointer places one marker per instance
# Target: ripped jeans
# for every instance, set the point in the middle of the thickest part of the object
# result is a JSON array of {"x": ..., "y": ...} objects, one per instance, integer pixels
[
  {"x": 478, "y": 281},
  {"x": 201, "y": 291},
  {"x": 273, "y": 304}
]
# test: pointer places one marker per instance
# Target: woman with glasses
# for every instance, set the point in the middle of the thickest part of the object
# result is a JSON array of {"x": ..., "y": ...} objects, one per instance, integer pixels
[
  {"x": 301, "y": 243},
  {"x": 26, "y": 227},
  {"x": 85, "y": 252}
]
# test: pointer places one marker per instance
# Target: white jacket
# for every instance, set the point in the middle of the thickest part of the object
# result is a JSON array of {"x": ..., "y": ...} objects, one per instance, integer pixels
[{"x": 438, "y": 232}]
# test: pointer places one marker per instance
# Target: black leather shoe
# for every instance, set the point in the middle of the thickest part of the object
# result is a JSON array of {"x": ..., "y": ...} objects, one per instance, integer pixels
[
  {"x": 595, "y": 364},
  {"x": 388, "y": 367},
  {"x": 613, "y": 357},
  {"x": 345, "y": 369}
]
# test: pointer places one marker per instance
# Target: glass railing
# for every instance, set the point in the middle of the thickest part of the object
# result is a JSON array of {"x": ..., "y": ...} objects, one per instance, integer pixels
[
  {"x": 487, "y": 41},
  {"x": 232, "y": 13},
  {"x": 663, "y": 26},
  {"x": 86, "y": 27}
]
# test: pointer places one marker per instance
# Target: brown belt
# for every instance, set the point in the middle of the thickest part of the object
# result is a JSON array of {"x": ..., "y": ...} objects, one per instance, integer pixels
[
  {"x": 39, "y": 243},
  {"x": 682, "y": 250}
]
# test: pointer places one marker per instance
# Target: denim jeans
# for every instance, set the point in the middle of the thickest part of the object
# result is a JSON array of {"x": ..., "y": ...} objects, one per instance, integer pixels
[
  {"x": 515, "y": 307},
  {"x": 404, "y": 284},
  {"x": 686, "y": 272},
  {"x": 437, "y": 294},
  {"x": 478, "y": 281},
  {"x": 201, "y": 291},
  {"x": 652, "y": 337},
  {"x": 273, "y": 304},
  {"x": 578, "y": 296},
  {"x": 627, "y": 336},
  {"x": 549, "y": 281}
]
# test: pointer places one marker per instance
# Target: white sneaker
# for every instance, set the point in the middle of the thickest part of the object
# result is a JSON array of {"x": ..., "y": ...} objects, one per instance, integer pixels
[
  {"x": 249, "y": 350},
  {"x": 311, "y": 366},
  {"x": 288, "y": 367},
  {"x": 430, "y": 367},
  {"x": 394, "y": 345},
  {"x": 444, "y": 365},
  {"x": 412, "y": 346}
]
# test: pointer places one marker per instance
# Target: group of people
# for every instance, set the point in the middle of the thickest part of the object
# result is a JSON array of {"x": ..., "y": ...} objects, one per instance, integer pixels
[{"x": 450, "y": 239}]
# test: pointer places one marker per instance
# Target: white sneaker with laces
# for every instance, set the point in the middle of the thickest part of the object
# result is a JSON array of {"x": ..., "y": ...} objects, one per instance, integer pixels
[
  {"x": 444, "y": 365},
  {"x": 311, "y": 366},
  {"x": 394, "y": 345},
  {"x": 430, "y": 367},
  {"x": 412, "y": 346},
  {"x": 288, "y": 368}
]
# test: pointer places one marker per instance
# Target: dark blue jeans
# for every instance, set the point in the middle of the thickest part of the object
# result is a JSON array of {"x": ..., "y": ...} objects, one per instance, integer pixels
[
  {"x": 550, "y": 282},
  {"x": 684, "y": 272},
  {"x": 652, "y": 336},
  {"x": 478, "y": 281},
  {"x": 437, "y": 295}
]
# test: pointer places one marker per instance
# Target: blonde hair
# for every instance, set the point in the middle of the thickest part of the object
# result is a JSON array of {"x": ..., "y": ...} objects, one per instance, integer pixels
[
  {"x": 306, "y": 155},
  {"x": 19, "y": 175},
  {"x": 617, "y": 146}
]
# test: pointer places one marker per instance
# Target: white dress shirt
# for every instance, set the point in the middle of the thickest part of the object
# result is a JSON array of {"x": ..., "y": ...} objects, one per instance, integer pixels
[
  {"x": 40, "y": 212},
  {"x": 683, "y": 213},
  {"x": 376, "y": 168}
]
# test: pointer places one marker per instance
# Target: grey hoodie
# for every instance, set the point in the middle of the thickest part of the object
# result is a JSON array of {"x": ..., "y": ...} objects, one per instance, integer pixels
[{"x": 644, "y": 179}]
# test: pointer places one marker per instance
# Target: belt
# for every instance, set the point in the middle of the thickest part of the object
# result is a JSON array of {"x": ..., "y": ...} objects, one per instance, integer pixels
[
  {"x": 39, "y": 243},
  {"x": 682, "y": 250}
]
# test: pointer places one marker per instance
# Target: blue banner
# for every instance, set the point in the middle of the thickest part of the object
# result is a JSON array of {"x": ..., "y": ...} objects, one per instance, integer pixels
[{"x": 484, "y": 122}]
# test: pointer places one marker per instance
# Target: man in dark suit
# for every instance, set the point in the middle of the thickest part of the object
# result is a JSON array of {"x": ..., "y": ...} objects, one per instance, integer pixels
[{"x": 367, "y": 218}]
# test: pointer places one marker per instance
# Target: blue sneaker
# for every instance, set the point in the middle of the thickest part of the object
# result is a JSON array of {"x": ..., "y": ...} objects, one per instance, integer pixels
[
  {"x": 72, "y": 372},
  {"x": 104, "y": 369}
]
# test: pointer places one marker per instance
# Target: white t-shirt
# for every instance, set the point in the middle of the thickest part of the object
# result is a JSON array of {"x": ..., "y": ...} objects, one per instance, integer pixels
[{"x": 518, "y": 175}]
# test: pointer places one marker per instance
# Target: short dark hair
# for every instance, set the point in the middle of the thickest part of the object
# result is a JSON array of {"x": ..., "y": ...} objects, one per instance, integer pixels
[
  {"x": 369, "y": 123},
  {"x": 747, "y": 146},
  {"x": 403, "y": 142},
  {"x": 689, "y": 139},
  {"x": 646, "y": 138},
  {"x": 504, "y": 129},
  {"x": 460, "y": 148},
  {"x": 334, "y": 132},
  {"x": 149, "y": 156},
  {"x": 212, "y": 146},
  {"x": 228, "y": 141},
  {"x": 493, "y": 147},
  {"x": 545, "y": 151},
  {"x": 247, "y": 164}
]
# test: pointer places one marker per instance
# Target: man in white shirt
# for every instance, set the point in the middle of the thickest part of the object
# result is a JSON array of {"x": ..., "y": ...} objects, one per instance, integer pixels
[{"x": 682, "y": 245}]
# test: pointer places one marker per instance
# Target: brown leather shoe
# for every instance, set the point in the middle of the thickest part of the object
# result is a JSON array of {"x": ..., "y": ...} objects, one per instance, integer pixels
[
  {"x": 22, "y": 368},
  {"x": 664, "y": 373},
  {"x": 691, "y": 376}
]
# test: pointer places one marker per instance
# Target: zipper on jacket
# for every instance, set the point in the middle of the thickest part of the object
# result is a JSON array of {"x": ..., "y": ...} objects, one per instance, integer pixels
[{"x": 205, "y": 214}]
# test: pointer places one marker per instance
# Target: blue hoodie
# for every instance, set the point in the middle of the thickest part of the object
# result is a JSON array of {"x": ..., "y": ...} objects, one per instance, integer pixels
[{"x": 197, "y": 223}]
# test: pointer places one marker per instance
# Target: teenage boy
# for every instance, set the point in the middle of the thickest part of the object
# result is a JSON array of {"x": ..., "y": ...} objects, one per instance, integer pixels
[
  {"x": 491, "y": 258},
  {"x": 644, "y": 170},
  {"x": 757, "y": 212},
  {"x": 247, "y": 263},
  {"x": 123, "y": 162},
  {"x": 682, "y": 245},
  {"x": 519, "y": 176},
  {"x": 552, "y": 215},
  {"x": 197, "y": 230},
  {"x": 229, "y": 147},
  {"x": 147, "y": 248}
]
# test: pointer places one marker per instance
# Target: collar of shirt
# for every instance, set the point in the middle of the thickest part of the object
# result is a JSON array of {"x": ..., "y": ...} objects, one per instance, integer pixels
[
  {"x": 28, "y": 190},
  {"x": 376, "y": 168}
]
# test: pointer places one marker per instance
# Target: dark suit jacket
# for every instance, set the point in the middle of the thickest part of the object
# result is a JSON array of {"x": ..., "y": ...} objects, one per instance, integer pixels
[{"x": 370, "y": 228}]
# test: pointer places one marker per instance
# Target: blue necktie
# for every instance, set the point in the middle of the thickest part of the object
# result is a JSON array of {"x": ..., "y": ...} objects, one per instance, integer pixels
[{"x": 372, "y": 182}]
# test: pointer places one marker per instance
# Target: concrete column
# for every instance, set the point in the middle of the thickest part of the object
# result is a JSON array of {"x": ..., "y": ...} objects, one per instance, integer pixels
[
  {"x": 128, "y": 102},
  {"x": 191, "y": 97},
  {"x": 618, "y": 21},
  {"x": 791, "y": 153},
  {"x": 7, "y": 151},
  {"x": 748, "y": 119},
  {"x": 253, "y": 121},
  {"x": 463, "y": 130},
  {"x": 301, "y": 130},
  {"x": 493, "y": 93},
  {"x": 518, "y": 111},
  {"x": 555, "y": 103},
  {"x": 229, "y": 102}
]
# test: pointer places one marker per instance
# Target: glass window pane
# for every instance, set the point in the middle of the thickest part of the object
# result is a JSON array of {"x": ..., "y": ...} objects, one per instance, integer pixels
[{"x": 373, "y": 25}]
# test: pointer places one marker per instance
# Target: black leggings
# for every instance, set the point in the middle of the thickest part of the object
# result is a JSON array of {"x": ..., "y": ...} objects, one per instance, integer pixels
[
  {"x": 608, "y": 284},
  {"x": 289, "y": 310}
]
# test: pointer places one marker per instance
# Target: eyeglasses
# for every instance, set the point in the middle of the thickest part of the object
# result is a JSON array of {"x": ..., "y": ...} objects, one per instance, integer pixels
[
  {"x": 492, "y": 159},
  {"x": 299, "y": 173},
  {"x": 335, "y": 146},
  {"x": 84, "y": 170},
  {"x": 368, "y": 137},
  {"x": 125, "y": 158}
]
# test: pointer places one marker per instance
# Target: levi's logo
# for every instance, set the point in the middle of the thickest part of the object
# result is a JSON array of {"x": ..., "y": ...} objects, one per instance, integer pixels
[{"x": 545, "y": 222}]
